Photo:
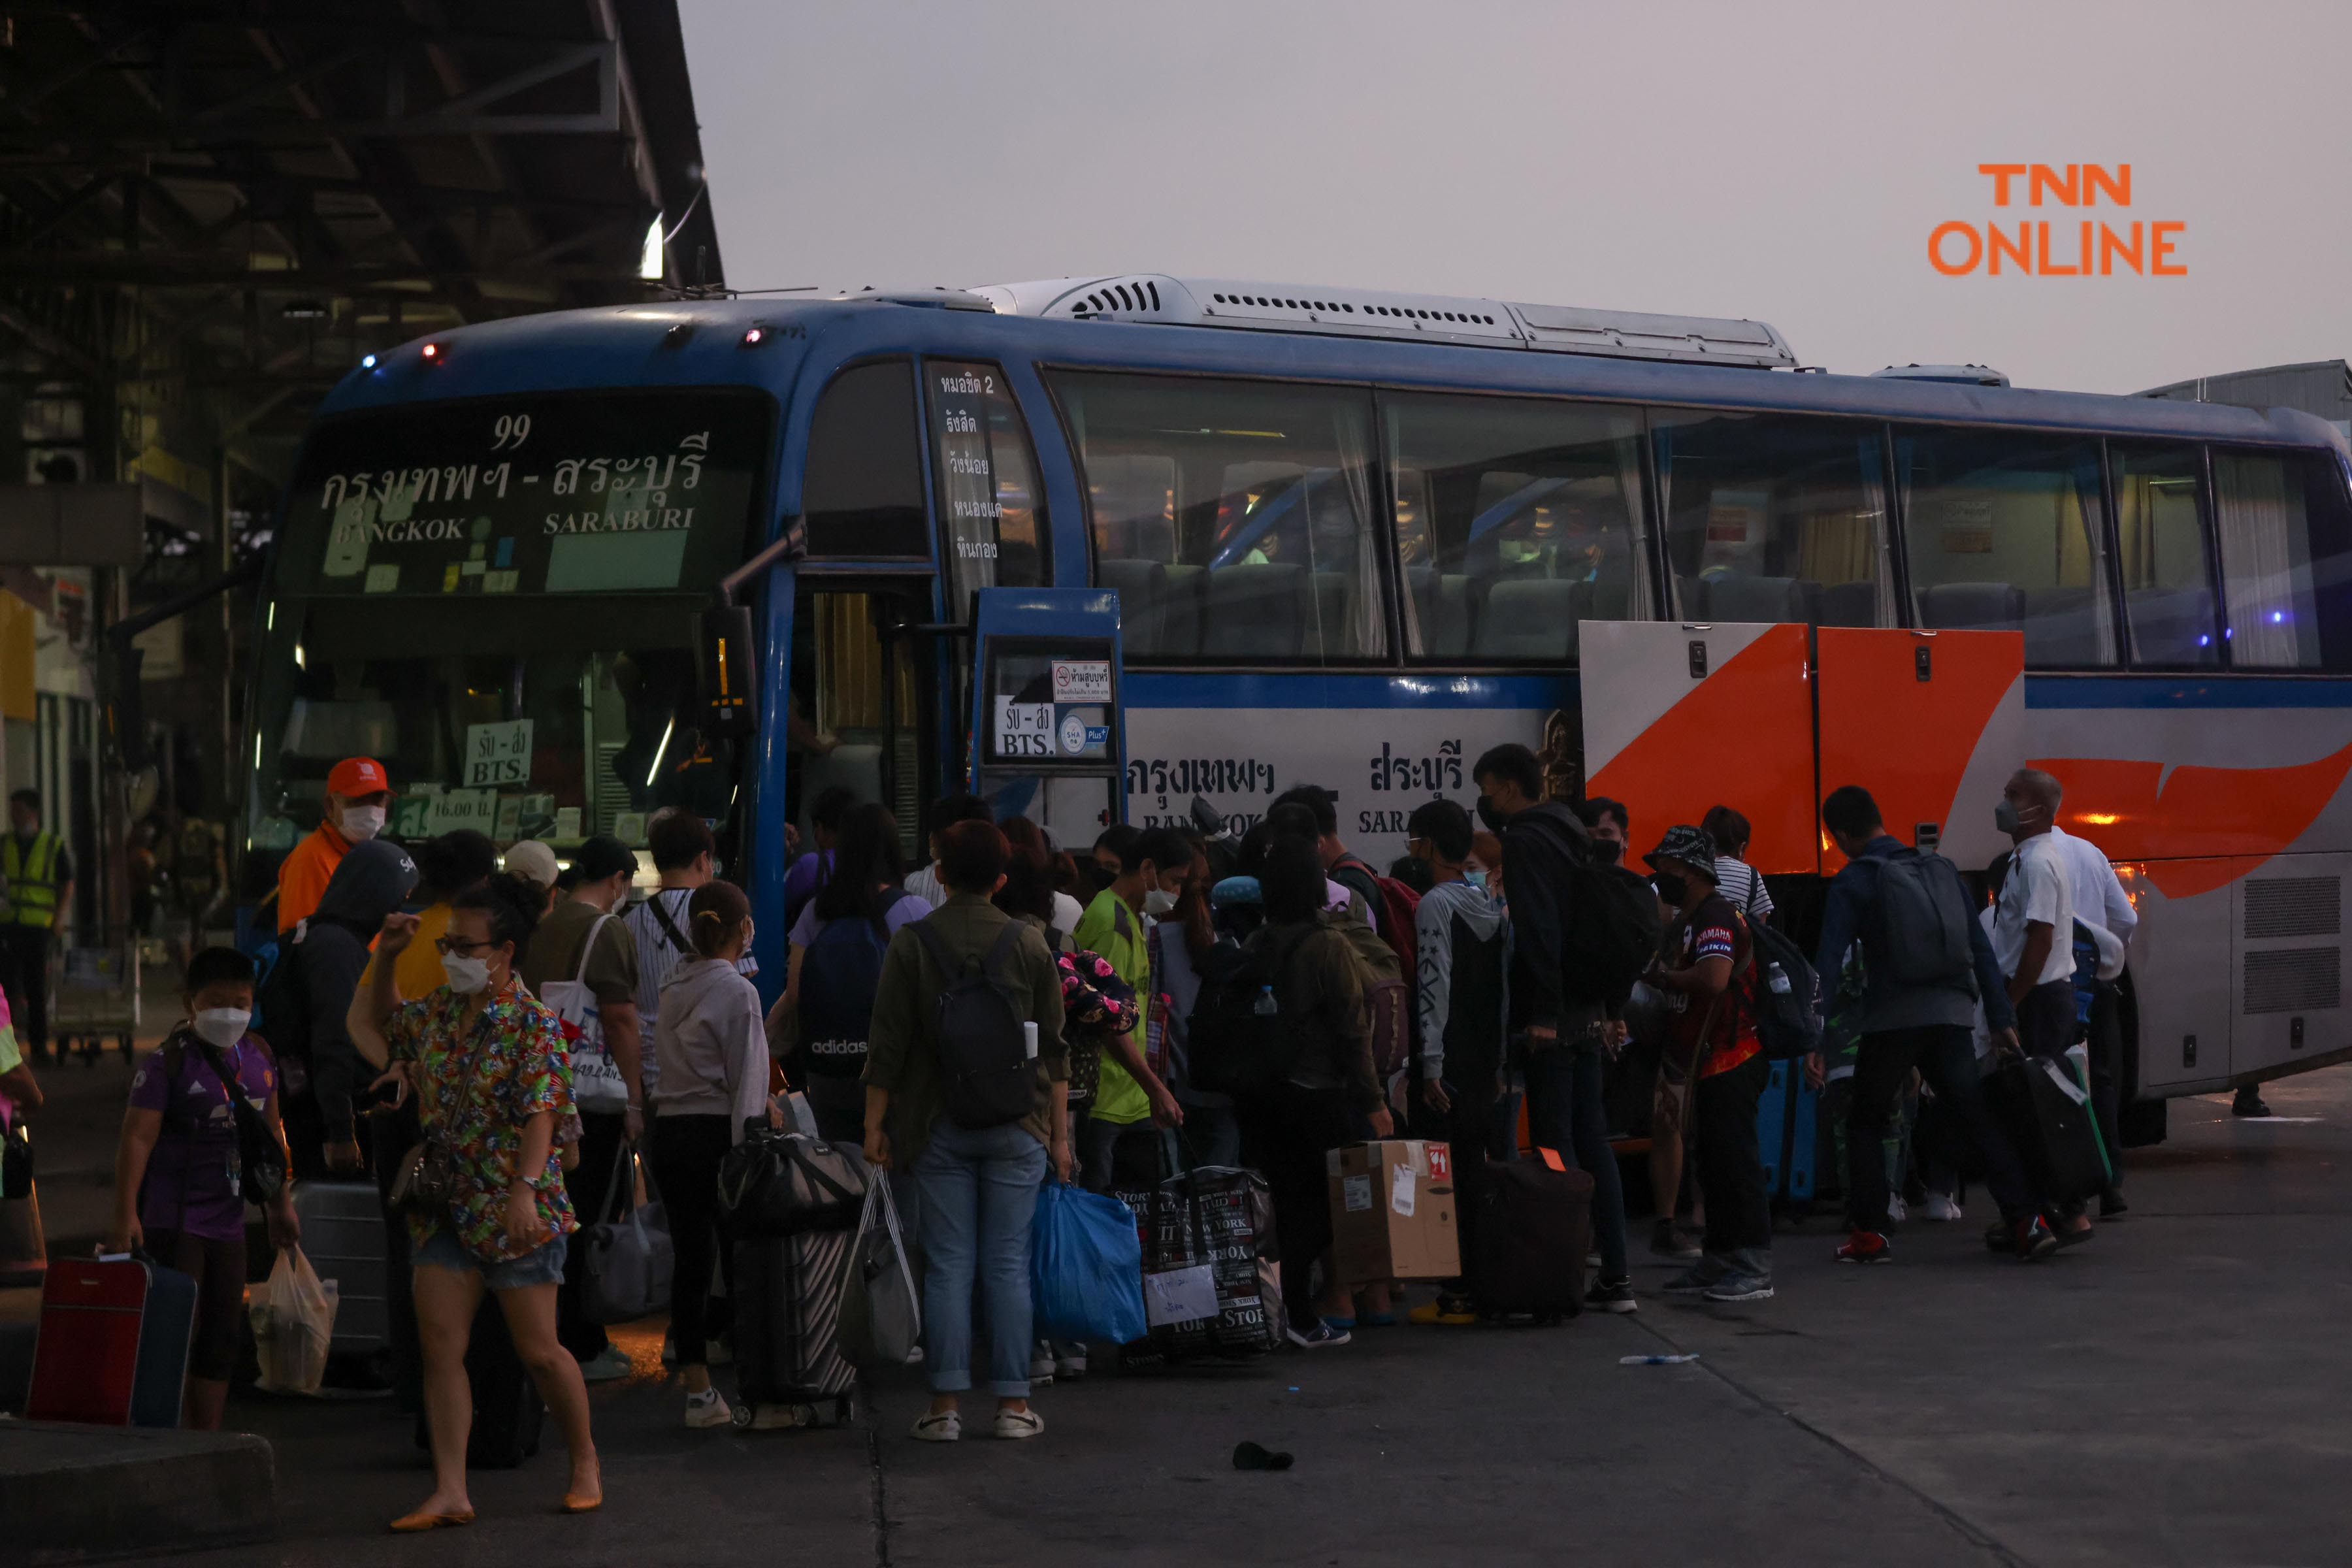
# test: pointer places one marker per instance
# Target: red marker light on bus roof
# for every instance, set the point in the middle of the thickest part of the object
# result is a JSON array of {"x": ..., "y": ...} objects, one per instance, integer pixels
[
  {"x": 430, "y": 351},
  {"x": 755, "y": 336}
]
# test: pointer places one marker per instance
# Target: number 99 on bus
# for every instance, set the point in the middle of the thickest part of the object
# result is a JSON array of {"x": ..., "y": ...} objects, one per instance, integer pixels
[{"x": 510, "y": 431}]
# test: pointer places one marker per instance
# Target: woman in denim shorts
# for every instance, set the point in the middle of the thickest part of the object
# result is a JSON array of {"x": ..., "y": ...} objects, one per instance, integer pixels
[{"x": 486, "y": 1060}]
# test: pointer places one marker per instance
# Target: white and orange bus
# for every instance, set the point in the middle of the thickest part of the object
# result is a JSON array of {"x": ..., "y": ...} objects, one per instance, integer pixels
[{"x": 1109, "y": 544}]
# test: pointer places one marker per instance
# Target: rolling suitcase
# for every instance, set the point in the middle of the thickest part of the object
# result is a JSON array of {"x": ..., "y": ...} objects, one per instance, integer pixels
[
  {"x": 508, "y": 1410},
  {"x": 342, "y": 1235},
  {"x": 1528, "y": 1243},
  {"x": 112, "y": 1345},
  {"x": 788, "y": 1291},
  {"x": 1787, "y": 1116},
  {"x": 2037, "y": 1103}
]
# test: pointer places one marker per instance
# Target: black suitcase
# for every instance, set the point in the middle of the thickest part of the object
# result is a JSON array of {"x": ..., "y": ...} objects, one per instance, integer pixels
[
  {"x": 508, "y": 1410},
  {"x": 1533, "y": 1229},
  {"x": 2055, "y": 1136},
  {"x": 788, "y": 1299}
]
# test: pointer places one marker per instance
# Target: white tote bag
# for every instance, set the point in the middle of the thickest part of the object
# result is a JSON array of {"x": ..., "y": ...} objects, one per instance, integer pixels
[{"x": 596, "y": 1082}]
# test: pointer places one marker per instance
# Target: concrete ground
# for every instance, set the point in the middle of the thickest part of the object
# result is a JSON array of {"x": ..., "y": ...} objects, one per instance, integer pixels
[{"x": 2168, "y": 1393}]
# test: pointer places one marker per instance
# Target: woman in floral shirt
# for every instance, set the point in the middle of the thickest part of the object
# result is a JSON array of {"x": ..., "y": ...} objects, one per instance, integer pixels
[{"x": 486, "y": 1060}]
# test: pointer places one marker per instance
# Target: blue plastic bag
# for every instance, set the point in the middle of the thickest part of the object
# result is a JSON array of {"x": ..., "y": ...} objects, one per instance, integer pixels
[{"x": 1086, "y": 1266}]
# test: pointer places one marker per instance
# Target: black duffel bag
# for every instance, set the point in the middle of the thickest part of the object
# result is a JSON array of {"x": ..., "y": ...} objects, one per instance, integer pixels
[{"x": 781, "y": 1183}]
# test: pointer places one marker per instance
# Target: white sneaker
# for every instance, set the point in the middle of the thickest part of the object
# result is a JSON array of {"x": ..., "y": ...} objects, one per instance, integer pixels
[
  {"x": 944, "y": 1427},
  {"x": 1041, "y": 1362},
  {"x": 608, "y": 1365},
  {"x": 708, "y": 1408},
  {"x": 1019, "y": 1424},
  {"x": 1895, "y": 1209},
  {"x": 1072, "y": 1363},
  {"x": 1940, "y": 1207}
]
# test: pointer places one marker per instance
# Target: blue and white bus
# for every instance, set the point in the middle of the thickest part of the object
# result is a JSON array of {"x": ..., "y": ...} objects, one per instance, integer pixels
[{"x": 1103, "y": 545}]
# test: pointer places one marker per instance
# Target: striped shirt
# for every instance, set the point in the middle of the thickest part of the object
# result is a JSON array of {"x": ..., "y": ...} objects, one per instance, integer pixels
[{"x": 1742, "y": 887}]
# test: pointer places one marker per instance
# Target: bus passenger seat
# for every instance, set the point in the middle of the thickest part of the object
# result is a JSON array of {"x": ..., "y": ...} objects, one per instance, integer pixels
[
  {"x": 1255, "y": 610},
  {"x": 1850, "y": 604},
  {"x": 1142, "y": 593},
  {"x": 1450, "y": 628},
  {"x": 1330, "y": 634},
  {"x": 1758, "y": 599},
  {"x": 2062, "y": 626},
  {"x": 1978, "y": 606},
  {"x": 1180, "y": 611},
  {"x": 1528, "y": 617}
]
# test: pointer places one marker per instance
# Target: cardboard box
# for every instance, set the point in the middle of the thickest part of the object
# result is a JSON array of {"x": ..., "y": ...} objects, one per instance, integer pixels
[{"x": 1392, "y": 1211}]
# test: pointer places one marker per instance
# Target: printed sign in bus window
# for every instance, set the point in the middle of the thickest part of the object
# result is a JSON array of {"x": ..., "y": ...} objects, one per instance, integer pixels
[{"x": 646, "y": 491}]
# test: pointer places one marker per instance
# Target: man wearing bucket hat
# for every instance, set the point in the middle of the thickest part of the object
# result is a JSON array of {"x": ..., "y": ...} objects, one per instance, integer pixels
[
  {"x": 1715, "y": 1061},
  {"x": 358, "y": 795}
]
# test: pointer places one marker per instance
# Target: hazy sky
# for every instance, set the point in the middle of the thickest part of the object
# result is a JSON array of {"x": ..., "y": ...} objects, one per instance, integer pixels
[{"x": 1781, "y": 161}]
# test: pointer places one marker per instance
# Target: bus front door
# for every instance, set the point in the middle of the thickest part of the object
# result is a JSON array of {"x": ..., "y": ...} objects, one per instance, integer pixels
[{"x": 1048, "y": 741}]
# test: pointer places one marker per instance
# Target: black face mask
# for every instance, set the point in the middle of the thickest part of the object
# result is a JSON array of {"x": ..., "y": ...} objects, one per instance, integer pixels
[
  {"x": 1492, "y": 818},
  {"x": 1103, "y": 875},
  {"x": 1608, "y": 851},
  {"x": 1670, "y": 888}
]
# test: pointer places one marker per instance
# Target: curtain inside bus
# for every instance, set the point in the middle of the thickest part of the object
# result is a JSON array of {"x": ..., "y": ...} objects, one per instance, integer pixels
[{"x": 2160, "y": 545}]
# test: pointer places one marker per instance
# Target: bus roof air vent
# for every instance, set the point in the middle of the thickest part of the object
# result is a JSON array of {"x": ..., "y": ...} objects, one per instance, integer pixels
[
  {"x": 1965, "y": 374},
  {"x": 1237, "y": 304}
]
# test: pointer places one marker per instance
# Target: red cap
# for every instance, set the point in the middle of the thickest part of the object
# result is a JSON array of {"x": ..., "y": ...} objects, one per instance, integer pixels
[{"x": 356, "y": 776}]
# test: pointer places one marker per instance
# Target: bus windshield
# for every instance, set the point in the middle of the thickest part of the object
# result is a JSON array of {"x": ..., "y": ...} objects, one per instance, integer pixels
[{"x": 570, "y": 707}]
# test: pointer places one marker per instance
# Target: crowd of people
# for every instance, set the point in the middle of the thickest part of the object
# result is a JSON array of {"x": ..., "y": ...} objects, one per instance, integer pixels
[{"x": 494, "y": 1043}]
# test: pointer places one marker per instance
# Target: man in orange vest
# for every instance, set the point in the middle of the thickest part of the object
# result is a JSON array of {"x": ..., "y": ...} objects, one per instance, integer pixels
[{"x": 358, "y": 794}]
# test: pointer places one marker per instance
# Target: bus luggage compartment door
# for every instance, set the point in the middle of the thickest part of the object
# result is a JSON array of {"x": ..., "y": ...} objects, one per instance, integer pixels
[
  {"x": 1931, "y": 724},
  {"x": 1680, "y": 717},
  {"x": 1047, "y": 740}
]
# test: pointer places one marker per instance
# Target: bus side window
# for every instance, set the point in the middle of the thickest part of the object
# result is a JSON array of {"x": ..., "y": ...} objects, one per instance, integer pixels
[
  {"x": 862, "y": 491},
  {"x": 1775, "y": 518},
  {"x": 1515, "y": 519},
  {"x": 1234, "y": 517},
  {"x": 2286, "y": 559},
  {"x": 2160, "y": 550},
  {"x": 2008, "y": 533},
  {"x": 985, "y": 480}
]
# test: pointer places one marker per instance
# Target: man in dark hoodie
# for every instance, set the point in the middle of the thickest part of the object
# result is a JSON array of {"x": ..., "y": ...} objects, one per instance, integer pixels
[
  {"x": 1544, "y": 845},
  {"x": 330, "y": 951}
]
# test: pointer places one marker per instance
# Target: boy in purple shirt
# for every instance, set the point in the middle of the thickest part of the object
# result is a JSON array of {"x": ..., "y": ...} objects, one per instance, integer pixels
[{"x": 178, "y": 1190}]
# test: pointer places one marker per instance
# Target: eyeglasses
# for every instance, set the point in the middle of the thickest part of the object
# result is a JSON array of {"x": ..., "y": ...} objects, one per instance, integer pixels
[{"x": 445, "y": 946}]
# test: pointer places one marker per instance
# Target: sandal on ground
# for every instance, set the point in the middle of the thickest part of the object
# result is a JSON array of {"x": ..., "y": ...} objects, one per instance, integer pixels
[{"x": 410, "y": 1523}]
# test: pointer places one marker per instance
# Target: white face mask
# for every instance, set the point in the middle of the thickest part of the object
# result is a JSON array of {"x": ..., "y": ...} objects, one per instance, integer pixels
[
  {"x": 468, "y": 976},
  {"x": 1158, "y": 901},
  {"x": 222, "y": 1026},
  {"x": 361, "y": 823}
]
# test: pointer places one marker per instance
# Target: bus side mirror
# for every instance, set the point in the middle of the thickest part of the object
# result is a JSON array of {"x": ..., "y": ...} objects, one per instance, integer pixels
[{"x": 729, "y": 679}]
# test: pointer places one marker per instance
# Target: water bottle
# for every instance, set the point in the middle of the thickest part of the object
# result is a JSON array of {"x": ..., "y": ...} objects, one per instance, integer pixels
[
  {"x": 1265, "y": 1007},
  {"x": 1777, "y": 978}
]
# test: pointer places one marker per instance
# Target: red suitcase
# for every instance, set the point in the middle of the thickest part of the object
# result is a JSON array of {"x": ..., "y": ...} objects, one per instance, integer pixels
[{"x": 112, "y": 1346}]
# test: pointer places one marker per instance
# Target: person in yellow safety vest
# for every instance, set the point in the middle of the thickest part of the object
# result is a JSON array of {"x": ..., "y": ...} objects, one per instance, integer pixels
[
  {"x": 358, "y": 797},
  {"x": 36, "y": 881}
]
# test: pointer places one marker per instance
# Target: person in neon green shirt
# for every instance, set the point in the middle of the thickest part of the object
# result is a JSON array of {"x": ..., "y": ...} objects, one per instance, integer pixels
[{"x": 1147, "y": 870}]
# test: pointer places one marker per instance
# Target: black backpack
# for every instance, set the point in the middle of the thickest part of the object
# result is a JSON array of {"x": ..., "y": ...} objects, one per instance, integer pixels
[
  {"x": 1924, "y": 913},
  {"x": 1787, "y": 994},
  {"x": 1610, "y": 933},
  {"x": 984, "y": 1062},
  {"x": 1242, "y": 1042},
  {"x": 840, "y": 972}
]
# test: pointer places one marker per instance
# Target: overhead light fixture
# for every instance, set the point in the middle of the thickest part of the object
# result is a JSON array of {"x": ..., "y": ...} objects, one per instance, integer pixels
[{"x": 650, "y": 266}]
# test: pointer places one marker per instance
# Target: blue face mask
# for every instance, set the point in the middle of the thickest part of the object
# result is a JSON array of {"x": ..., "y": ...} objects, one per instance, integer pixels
[{"x": 1476, "y": 878}]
